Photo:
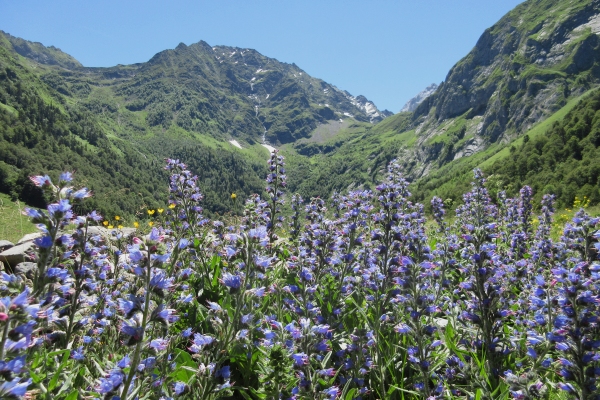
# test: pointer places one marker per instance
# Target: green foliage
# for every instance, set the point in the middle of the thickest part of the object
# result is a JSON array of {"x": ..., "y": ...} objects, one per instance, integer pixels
[
  {"x": 354, "y": 157},
  {"x": 115, "y": 125},
  {"x": 13, "y": 224},
  {"x": 559, "y": 156},
  {"x": 565, "y": 160},
  {"x": 112, "y": 147}
]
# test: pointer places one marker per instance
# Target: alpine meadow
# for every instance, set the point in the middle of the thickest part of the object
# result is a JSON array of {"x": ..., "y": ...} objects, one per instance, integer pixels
[{"x": 217, "y": 224}]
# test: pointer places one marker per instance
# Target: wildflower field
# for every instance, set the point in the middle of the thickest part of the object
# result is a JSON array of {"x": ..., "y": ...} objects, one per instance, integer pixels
[{"x": 355, "y": 298}]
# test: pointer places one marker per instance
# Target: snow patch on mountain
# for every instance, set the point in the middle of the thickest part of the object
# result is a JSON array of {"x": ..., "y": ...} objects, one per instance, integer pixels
[
  {"x": 367, "y": 106},
  {"x": 268, "y": 147},
  {"x": 236, "y": 143}
]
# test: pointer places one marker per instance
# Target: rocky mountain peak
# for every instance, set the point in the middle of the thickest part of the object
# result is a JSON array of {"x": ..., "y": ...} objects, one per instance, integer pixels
[
  {"x": 38, "y": 52},
  {"x": 522, "y": 69},
  {"x": 412, "y": 104}
]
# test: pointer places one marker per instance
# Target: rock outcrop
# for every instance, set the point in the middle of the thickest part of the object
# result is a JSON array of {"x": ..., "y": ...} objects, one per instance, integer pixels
[
  {"x": 412, "y": 104},
  {"x": 522, "y": 69}
]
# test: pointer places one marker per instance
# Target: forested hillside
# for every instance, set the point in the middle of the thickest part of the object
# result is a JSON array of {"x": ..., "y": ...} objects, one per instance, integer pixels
[
  {"x": 214, "y": 107},
  {"x": 564, "y": 161},
  {"x": 115, "y": 126},
  {"x": 42, "y": 132}
]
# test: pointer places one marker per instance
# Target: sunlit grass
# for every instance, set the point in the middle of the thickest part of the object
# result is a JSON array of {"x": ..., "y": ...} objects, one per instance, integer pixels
[{"x": 13, "y": 225}]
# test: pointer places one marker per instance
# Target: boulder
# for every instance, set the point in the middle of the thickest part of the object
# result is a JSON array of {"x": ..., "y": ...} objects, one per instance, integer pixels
[
  {"x": 5, "y": 245},
  {"x": 18, "y": 254},
  {"x": 29, "y": 237},
  {"x": 107, "y": 233},
  {"x": 27, "y": 269}
]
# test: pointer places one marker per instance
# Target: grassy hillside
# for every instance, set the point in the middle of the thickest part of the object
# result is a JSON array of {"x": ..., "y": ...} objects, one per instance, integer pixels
[
  {"x": 45, "y": 132},
  {"x": 559, "y": 156},
  {"x": 13, "y": 224},
  {"x": 354, "y": 157}
]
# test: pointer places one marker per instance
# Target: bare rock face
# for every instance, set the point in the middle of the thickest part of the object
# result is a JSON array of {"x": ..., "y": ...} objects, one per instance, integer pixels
[
  {"x": 522, "y": 69},
  {"x": 412, "y": 104},
  {"x": 5, "y": 245},
  {"x": 22, "y": 252}
]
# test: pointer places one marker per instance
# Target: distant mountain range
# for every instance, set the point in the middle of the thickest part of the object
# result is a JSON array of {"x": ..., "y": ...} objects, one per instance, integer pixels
[
  {"x": 216, "y": 106},
  {"x": 412, "y": 104},
  {"x": 189, "y": 97}
]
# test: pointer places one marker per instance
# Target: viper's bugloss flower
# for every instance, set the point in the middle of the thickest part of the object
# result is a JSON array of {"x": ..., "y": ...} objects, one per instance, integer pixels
[
  {"x": 43, "y": 242},
  {"x": 15, "y": 388},
  {"x": 61, "y": 207},
  {"x": 159, "y": 344},
  {"x": 233, "y": 282},
  {"x": 111, "y": 382},
  {"x": 179, "y": 388},
  {"x": 41, "y": 180},
  {"x": 83, "y": 193},
  {"x": 300, "y": 359},
  {"x": 65, "y": 177},
  {"x": 34, "y": 214},
  {"x": 199, "y": 342},
  {"x": 78, "y": 354}
]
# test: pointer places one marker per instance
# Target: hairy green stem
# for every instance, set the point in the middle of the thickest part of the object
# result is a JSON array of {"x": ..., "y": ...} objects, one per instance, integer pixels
[{"x": 138, "y": 347}]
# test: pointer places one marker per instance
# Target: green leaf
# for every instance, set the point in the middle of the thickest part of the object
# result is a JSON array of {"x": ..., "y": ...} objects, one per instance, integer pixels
[
  {"x": 36, "y": 378},
  {"x": 255, "y": 393},
  {"x": 67, "y": 385},
  {"x": 62, "y": 365},
  {"x": 215, "y": 264},
  {"x": 350, "y": 394},
  {"x": 73, "y": 395},
  {"x": 394, "y": 387},
  {"x": 325, "y": 360}
]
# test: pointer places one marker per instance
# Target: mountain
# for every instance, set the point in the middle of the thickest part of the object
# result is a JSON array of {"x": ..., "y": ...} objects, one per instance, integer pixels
[
  {"x": 412, "y": 104},
  {"x": 522, "y": 69},
  {"x": 531, "y": 67},
  {"x": 241, "y": 92},
  {"x": 527, "y": 72},
  {"x": 38, "y": 52},
  {"x": 192, "y": 102}
]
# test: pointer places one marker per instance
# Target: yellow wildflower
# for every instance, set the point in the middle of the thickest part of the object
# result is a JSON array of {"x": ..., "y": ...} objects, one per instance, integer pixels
[
  {"x": 160, "y": 210},
  {"x": 151, "y": 212},
  {"x": 136, "y": 224},
  {"x": 150, "y": 223},
  {"x": 120, "y": 226},
  {"x": 110, "y": 227},
  {"x": 233, "y": 196},
  {"x": 117, "y": 218},
  {"x": 172, "y": 205},
  {"x": 104, "y": 223}
]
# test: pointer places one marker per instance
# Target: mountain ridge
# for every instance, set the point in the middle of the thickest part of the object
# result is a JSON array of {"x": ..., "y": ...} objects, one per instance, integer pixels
[
  {"x": 522, "y": 69},
  {"x": 412, "y": 104},
  {"x": 188, "y": 102}
]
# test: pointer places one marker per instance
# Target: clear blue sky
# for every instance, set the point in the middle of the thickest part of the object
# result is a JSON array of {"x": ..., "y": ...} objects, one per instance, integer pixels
[{"x": 387, "y": 51}]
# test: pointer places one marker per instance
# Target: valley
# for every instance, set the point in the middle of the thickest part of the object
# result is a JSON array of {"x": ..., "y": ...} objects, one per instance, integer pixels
[{"x": 222, "y": 109}]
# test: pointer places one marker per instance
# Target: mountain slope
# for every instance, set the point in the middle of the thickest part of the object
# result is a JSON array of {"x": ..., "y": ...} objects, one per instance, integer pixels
[
  {"x": 521, "y": 70},
  {"x": 537, "y": 60},
  {"x": 413, "y": 103},
  {"x": 115, "y": 125},
  {"x": 221, "y": 91}
]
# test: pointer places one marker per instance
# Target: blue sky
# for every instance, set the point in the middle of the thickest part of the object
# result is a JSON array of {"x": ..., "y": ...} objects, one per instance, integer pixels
[{"x": 387, "y": 51}]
